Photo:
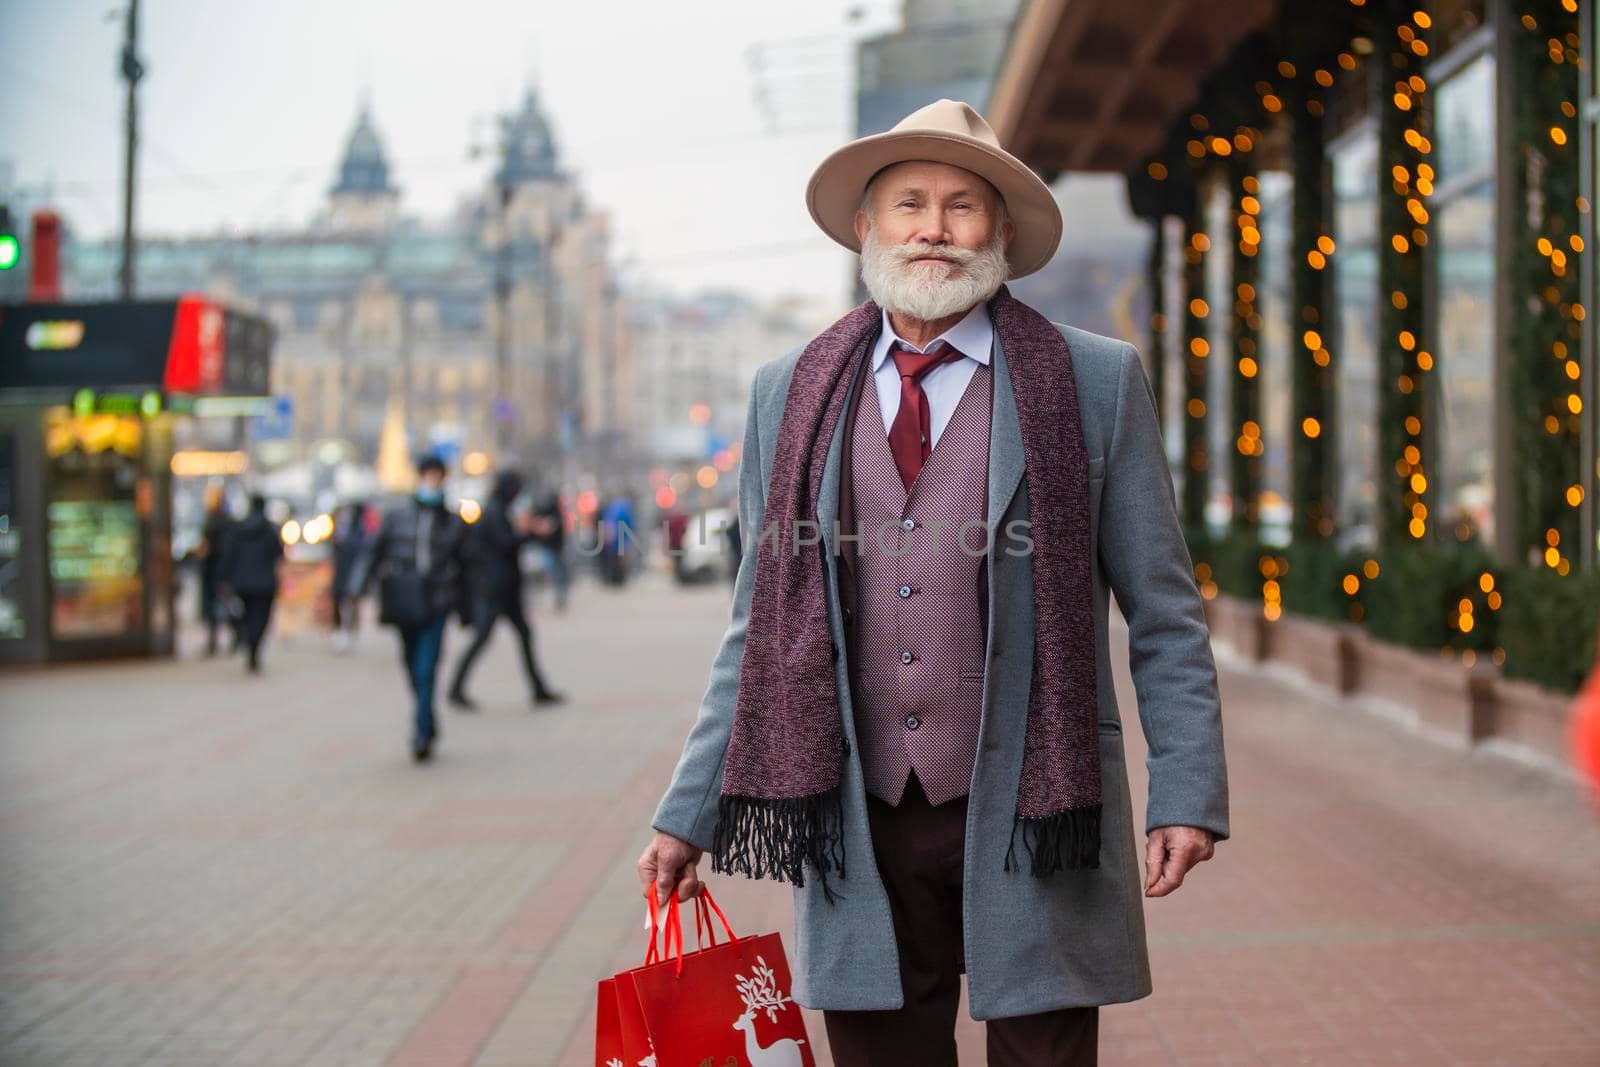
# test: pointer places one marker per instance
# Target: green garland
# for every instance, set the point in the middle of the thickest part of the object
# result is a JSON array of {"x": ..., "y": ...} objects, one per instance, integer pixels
[
  {"x": 1402, "y": 512},
  {"x": 1308, "y": 46},
  {"x": 1546, "y": 314}
]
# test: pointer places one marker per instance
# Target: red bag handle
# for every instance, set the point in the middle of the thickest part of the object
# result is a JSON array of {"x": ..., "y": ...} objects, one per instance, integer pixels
[
  {"x": 671, "y": 931},
  {"x": 705, "y": 904}
]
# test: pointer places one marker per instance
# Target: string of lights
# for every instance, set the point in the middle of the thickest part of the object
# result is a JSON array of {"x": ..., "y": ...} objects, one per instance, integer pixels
[{"x": 1547, "y": 388}]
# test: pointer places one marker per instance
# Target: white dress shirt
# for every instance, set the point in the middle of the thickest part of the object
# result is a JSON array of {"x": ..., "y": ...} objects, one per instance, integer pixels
[{"x": 944, "y": 385}]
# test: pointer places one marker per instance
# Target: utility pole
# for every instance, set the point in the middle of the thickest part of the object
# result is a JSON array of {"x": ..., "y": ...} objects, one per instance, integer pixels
[
  {"x": 132, "y": 72},
  {"x": 501, "y": 411}
]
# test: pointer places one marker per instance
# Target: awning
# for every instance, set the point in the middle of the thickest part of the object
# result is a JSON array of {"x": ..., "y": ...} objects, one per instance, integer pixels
[
  {"x": 1091, "y": 85},
  {"x": 190, "y": 346}
]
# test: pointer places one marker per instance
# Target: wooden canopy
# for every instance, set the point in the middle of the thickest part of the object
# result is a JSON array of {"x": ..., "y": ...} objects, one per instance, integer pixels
[{"x": 1093, "y": 85}]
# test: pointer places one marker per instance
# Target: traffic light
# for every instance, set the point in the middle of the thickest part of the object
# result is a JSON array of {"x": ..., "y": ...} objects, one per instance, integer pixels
[{"x": 10, "y": 246}]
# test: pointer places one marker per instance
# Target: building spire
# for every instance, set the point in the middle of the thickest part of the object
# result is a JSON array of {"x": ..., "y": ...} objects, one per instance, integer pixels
[
  {"x": 529, "y": 150},
  {"x": 365, "y": 167}
]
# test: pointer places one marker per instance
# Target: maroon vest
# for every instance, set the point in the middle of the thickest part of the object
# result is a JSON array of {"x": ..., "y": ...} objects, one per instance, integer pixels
[{"x": 918, "y": 618}]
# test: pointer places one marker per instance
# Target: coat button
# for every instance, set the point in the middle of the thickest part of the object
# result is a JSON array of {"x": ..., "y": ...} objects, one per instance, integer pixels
[
  {"x": 905, "y": 592},
  {"x": 906, "y": 657},
  {"x": 912, "y": 722}
]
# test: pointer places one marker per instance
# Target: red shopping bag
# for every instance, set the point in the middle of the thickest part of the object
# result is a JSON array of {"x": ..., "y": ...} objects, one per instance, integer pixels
[
  {"x": 620, "y": 1036},
  {"x": 1586, "y": 730},
  {"x": 725, "y": 1005},
  {"x": 608, "y": 1046}
]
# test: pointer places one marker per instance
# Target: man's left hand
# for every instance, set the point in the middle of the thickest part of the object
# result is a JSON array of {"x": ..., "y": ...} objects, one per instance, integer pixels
[{"x": 1171, "y": 852}]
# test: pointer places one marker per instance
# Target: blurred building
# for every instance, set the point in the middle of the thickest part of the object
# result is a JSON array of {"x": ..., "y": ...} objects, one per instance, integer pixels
[
  {"x": 695, "y": 359},
  {"x": 944, "y": 49},
  {"x": 383, "y": 317}
]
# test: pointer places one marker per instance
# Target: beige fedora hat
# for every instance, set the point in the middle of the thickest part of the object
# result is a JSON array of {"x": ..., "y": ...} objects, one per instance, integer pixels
[{"x": 946, "y": 131}]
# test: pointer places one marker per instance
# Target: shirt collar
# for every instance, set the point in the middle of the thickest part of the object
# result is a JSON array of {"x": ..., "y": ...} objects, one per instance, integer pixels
[{"x": 973, "y": 337}]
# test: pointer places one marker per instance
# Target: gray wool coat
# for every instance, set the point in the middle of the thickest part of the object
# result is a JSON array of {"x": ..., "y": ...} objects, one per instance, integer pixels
[{"x": 1032, "y": 944}]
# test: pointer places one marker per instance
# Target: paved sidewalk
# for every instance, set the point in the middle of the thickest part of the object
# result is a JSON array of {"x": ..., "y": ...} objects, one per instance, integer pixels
[{"x": 197, "y": 868}]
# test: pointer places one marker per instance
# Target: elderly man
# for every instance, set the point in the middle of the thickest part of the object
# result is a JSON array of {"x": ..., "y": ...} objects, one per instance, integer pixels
[{"x": 912, "y": 716}]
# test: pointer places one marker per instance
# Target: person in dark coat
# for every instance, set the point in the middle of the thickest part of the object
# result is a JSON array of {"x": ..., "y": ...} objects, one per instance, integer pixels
[
  {"x": 251, "y": 555},
  {"x": 213, "y": 542},
  {"x": 495, "y": 586},
  {"x": 550, "y": 534},
  {"x": 349, "y": 542},
  {"x": 417, "y": 556}
]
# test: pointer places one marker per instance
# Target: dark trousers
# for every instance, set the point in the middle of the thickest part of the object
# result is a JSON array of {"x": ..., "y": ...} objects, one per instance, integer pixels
[
  {"x": 253, "y": 624},
  {"x": 484, "y": 616},
  {"x": 919, "y": 850},
  {"x": 420, "y": 648},
  {"x": 346, "y": 613}
]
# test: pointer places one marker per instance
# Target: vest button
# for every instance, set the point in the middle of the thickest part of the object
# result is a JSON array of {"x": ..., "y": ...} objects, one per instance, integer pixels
[
  {"x": 906, "y": 657},
  {"x": 912, "y": 722},
  {"x": 905, "y": 592}
]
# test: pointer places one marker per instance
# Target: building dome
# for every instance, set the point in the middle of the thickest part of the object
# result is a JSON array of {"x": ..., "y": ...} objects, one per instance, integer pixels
[
  {"x": 529, "y": 146},
  {"x": 365, "y": 169}
]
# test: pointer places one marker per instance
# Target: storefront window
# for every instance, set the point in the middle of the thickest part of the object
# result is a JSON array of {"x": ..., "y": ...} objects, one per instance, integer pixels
[
  {"x": 1464, "y": 402},
  {"x": 92, "y": 524},
  {"x": 1355, "y": 330},
  {"x": 1220, "y": 430},
  {"x": 13, "y": 624},
  {"x": 1274, "y": 346}
]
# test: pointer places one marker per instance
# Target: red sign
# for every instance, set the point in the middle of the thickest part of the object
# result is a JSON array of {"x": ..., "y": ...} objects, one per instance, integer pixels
[{"x": 194, "y": 358}]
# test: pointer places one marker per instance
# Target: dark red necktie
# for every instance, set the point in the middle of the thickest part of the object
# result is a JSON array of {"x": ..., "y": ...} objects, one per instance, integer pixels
[{"x": 910, "y": 438}]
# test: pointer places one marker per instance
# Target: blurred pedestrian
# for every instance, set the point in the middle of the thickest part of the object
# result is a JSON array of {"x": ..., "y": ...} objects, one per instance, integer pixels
[
  {"x": 677, "y": 527},
  {"x": 735, "y": 542},
  {"x": 213, "y": 542},
  {"x": 350, "y": 538},
  {"x": 252, "y": 552},
  {"x": 417, "y": 558},
  {"x": 550, "y": 534},
  {"x": 617, "y": 534},
  {"x": 494, "y": 584}
]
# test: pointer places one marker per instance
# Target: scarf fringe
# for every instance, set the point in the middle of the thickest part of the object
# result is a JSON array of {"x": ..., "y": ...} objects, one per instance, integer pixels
[
  {"x": 1067, "y": 840},
  {"x": 762, "y": 838}
]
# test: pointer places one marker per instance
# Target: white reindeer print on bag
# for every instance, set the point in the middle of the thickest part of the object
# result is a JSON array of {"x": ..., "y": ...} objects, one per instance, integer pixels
[{"x": 760, "y": 992}]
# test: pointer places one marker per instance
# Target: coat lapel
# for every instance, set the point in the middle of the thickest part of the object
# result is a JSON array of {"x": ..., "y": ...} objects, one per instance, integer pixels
[
  {"x": 828, "y": 492},
  {"x": 1005, "y": 441}
]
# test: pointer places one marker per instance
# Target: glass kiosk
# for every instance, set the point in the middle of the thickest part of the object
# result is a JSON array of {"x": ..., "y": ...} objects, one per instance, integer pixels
[{"x": 89, "y": 398}]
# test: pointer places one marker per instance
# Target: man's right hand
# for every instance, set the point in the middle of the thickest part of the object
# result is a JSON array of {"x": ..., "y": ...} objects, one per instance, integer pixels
[{"x": 668, "y": 863}]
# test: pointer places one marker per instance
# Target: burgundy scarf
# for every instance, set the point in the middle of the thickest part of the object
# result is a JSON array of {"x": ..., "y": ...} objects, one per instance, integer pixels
[{"x": 780, "y": 806}]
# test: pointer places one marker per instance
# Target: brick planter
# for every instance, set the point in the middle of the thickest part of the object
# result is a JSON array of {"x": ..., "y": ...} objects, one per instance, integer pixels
[
  {"x": 1240, "y": 623},
  {"x": 1324, "y": 652},
  {"x": 1532, "y": 716},
  {"x": 1456, "y": 703},
  {"x": 1448, "y": 697}
]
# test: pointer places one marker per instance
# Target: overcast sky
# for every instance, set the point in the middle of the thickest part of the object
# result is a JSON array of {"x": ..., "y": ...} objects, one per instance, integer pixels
[{"x": 247, "y": 105}]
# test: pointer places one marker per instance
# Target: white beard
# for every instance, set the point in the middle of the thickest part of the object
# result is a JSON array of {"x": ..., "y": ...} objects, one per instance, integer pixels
[{"x": 928, "y": 293}]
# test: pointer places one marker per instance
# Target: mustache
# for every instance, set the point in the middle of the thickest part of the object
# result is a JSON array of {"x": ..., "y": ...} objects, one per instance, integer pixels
[{"x": 903, "y": 255}]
